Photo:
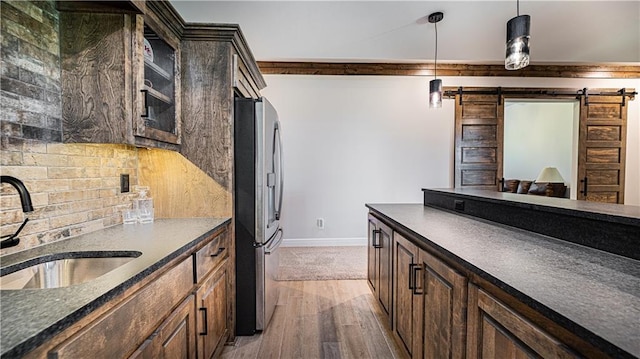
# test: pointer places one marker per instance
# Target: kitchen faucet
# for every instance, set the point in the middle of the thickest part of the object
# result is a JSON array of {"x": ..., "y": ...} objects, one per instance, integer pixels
[{"x": 25, "y": 200}]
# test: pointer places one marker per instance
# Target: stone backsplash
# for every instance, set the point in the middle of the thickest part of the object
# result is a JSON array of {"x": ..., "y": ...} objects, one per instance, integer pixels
[{"x": 75, "y": 189}]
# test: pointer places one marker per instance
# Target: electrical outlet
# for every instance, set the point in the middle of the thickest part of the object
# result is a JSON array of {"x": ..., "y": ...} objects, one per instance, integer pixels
[
  {"x": 320, "y": 223},
  {"x": 124, "y": 183}
]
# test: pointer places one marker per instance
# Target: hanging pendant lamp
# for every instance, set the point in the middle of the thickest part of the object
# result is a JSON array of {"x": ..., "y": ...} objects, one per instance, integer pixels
[
  {"x": 518, "y": 34},
  {"x": 435, "y": 85}
]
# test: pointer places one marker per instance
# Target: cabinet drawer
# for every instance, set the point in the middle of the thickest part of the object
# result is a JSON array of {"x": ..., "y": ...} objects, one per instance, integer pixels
[
  {"x": 211, "y": 255},
  {"x": 120, "y": 331},
  {"x": 496, "y": 331}
]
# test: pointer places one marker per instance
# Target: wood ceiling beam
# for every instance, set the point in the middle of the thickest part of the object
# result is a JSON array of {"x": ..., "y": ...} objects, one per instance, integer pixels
[{"x": 423, "y": 69}]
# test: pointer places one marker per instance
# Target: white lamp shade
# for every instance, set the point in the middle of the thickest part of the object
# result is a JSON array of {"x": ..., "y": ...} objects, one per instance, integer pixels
[{"x": 550, "y": 175}]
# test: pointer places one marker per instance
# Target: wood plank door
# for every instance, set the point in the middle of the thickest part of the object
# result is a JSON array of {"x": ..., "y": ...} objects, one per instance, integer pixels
[
  {"x": 479, "y": 128},
  {"x": 602, "y": 149}
]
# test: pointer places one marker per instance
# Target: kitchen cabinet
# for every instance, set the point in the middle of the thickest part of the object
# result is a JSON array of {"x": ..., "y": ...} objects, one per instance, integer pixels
[
  {"x": 406, "y": 301},
  {"x": 212, "y": 296},
  {"x": 442, "y": 308},
  {"x": 496, "y": 331},
  {"x": 429, "y": 303},
  {"x": 120, "y": 331},
  {"x": 379, "y": 262},
  {"x": 182, "y": 311},
  {"x": 441, "y": 314},
  {"x": 212, "y": 302},
  {"x": 217, "y": 66},
  {"x": 175, "y": 338},
  {"x": 120, "y": 75}
]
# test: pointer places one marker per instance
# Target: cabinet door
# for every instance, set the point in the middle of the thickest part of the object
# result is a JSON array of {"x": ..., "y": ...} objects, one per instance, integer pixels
[
  {"x": 495, "y": 331},
  {"x": 443, "y": 310},
  {"x": 117, "y": 333},
  {"x": 175, "y": 338},
  {"x": 372, "y": 255},
  {"x": 385, "y": 243},
  {"x": 405, "y": 302},
  {"x": 211, "y": 300}
]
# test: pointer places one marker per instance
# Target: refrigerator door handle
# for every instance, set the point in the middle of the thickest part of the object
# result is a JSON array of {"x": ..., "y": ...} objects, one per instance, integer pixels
[
  {"x": 280, "y": 235},
  {"x": 268, "y": 241},
  {"x": 281, "y": 183}
]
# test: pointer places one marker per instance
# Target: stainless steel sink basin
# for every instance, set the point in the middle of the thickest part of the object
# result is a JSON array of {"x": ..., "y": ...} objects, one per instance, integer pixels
[{"x": 63, "y": 269}]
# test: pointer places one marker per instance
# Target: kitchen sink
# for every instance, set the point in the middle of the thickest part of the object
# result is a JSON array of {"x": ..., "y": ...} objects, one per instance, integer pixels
[{"x": 63, "y": 269}]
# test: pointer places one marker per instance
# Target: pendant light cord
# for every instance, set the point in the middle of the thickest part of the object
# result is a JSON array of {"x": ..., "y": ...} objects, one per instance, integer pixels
[
  {"x": 518, "y": 7},
  {"x": 435, "y": 66}
]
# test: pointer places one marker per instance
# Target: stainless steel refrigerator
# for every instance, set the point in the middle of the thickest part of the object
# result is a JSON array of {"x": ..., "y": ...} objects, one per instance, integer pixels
[{"x": 258, "y": 204}]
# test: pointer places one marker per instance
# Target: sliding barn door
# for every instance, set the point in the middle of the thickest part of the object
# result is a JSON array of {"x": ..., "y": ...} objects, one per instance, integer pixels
[
  {"x": 478, "y": 140},
  {"x": 602, "y": 147}
]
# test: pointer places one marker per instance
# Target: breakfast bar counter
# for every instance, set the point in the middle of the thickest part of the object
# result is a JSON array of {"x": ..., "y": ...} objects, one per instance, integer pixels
[{"x": 589, "y": 292}]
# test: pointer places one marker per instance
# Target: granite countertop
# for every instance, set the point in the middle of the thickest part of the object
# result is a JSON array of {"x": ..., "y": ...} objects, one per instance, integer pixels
[
  {"x": 608, "y": 212},
  {"x": 594, "y": 294},
  {"x": 29, "y": 317}
]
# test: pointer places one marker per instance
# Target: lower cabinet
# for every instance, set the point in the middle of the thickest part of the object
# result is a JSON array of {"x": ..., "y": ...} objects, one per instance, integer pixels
[
  {"x": 496, "y": 331},
  {"x": 379, "y": 262},
  {"x": 118, "y": 333},
  {"x": 212, "y": 304},
  {"x": 430, "y": 301},
  {"x": 183, "y": 313},
  {"x": 437, "y": 313},
  {"x": 442, "y": 310},
  {"x": 175, "y": 338},
  {"x": 406, "y": 303}
]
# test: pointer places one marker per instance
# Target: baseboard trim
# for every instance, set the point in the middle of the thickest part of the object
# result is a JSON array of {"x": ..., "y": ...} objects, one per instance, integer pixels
[{"x": 324, "y": 242}]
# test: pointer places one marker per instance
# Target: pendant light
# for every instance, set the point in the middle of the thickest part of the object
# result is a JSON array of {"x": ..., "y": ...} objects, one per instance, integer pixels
[
  {"x": 518, "y": 34},
  {"x": 435, "y": 85}
]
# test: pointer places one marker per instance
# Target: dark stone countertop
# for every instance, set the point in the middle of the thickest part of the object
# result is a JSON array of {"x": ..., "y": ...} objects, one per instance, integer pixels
[
  {"x": 592, "y": 293},
  {"x": 608, "y": 212},
  {"x": 29, "y": 317}
]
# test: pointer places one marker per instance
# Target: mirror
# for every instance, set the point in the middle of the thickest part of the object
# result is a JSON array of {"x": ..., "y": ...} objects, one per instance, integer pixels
[{"x": 539, "y": 134}]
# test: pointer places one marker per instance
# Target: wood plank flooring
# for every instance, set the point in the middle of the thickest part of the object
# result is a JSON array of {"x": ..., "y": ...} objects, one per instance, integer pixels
[{"x": 321, "y": 319}]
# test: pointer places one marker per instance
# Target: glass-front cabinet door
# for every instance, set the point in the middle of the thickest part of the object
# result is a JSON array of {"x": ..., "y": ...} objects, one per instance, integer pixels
[{"x": 159, "y": 88}]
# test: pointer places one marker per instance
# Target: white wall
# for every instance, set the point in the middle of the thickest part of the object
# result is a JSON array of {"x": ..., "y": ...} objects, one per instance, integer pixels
[{"x": 351, "y": 140}]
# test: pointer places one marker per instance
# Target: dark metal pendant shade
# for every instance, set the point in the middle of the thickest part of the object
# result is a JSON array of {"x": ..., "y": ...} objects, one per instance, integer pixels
[
  {"x": 435, "y": 93},
  {"x": 518, "y": 34},
  {"x": 435, "y": 85}
]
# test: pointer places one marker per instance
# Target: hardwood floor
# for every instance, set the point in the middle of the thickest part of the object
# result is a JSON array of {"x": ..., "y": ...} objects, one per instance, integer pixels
[{"x": 321, "y": 319}]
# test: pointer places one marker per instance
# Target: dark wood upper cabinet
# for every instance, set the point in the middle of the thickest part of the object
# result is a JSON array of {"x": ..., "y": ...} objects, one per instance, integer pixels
[{"x": 111, "y": 91}]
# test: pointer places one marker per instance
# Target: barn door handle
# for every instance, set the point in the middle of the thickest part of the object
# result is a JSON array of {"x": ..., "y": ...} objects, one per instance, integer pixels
[
  {"x": 584, "y": 191},
  {"x": 206, "y": 329},
  {"x": 416, "y": 290}
]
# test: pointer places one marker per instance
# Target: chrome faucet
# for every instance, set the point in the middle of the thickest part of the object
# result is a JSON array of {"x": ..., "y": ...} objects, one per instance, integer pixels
[{"x": 25, "y": 200}]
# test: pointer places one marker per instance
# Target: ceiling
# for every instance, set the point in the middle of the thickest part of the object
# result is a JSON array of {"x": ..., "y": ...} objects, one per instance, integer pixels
[{"x": 474, "y": 31}]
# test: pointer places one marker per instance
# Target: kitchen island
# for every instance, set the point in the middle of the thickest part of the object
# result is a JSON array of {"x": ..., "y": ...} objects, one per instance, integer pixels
[
  {"x": 579, "y": 300},
  {"x": 32, "y": 317}
]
